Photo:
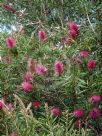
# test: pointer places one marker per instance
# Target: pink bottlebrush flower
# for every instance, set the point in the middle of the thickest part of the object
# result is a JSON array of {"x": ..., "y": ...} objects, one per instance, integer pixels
[
  {"x": 27, "y": 76},
  {"x": 94, "y": 113},
  {"x": 12, "y": 133},
  {"x": 55, "y": 111},
  {"x": 83, "y": 53},
  {"x": 78, "y": 113},
  {"x": 42, "y": 35},
  {"x": 40, "y": 69},
  {"x": 10, "y": 42},
  {"x": 58, "y": 67},
  {"x": 36, "y": 104},
  {"x": 95, "y": 99},
  {"x": 31, "y": 65},
  {"x": 72, "y": 33},
  {"x": 8, "y": 8},
  {"x": 1, "y": 104},
  {"x": 73, "y": 26},
  {"x": 91, "y": 64},
  {"x": 26, "y": 86}
]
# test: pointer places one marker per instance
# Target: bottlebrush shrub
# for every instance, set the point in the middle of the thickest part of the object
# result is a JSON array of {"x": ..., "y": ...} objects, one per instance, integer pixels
[{"x": 32, "y": 73}]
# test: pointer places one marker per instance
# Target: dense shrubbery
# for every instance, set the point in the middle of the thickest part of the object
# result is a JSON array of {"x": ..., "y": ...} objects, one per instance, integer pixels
[{"x": 51, "y": 81}]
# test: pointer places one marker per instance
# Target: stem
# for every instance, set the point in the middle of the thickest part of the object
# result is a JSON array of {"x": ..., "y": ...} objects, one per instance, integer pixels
[
  {"x": 99, "y": 17},
  {"x": 62, "y": 12},
  {"x": 90, "y": 22},
  {"x": 66, "y": 123},
  {"x": 74, "y": 86},
  {"x": 48, "y": 119}
]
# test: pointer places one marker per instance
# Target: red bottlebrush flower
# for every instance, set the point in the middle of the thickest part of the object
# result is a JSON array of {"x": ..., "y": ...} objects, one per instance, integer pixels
[
  {"x": 26, "y": 86},
  {"x": 73, "y": 26},
  {"x": 1, "y": 104},
  {"x": 9, "y": 8},
  {"x": 31, "y": 65},
  {"x": 72, "y": 33},
  {"x": 42, "y": 35},
  {"x": 95, "y": 99},
  {"x": 10, "y": 42},
  {"x": 40, "y": 69},
  {"x": 77, "y": 124},
  {"x": 91, "y": 64},
  {"x": 83, "y": 53},
  {"x": 94, "y": 113},
  {"x": 58, "y": 67},
  {"x": 78, "y": 113},
  {"x": 27, "y": 76},
  {"x": 55, "y": 111},
  {"x": 36, "y": 104}
]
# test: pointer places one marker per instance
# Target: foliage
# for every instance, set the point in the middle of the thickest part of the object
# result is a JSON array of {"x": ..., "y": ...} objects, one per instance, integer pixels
[{"x": 68, "y": 91}]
